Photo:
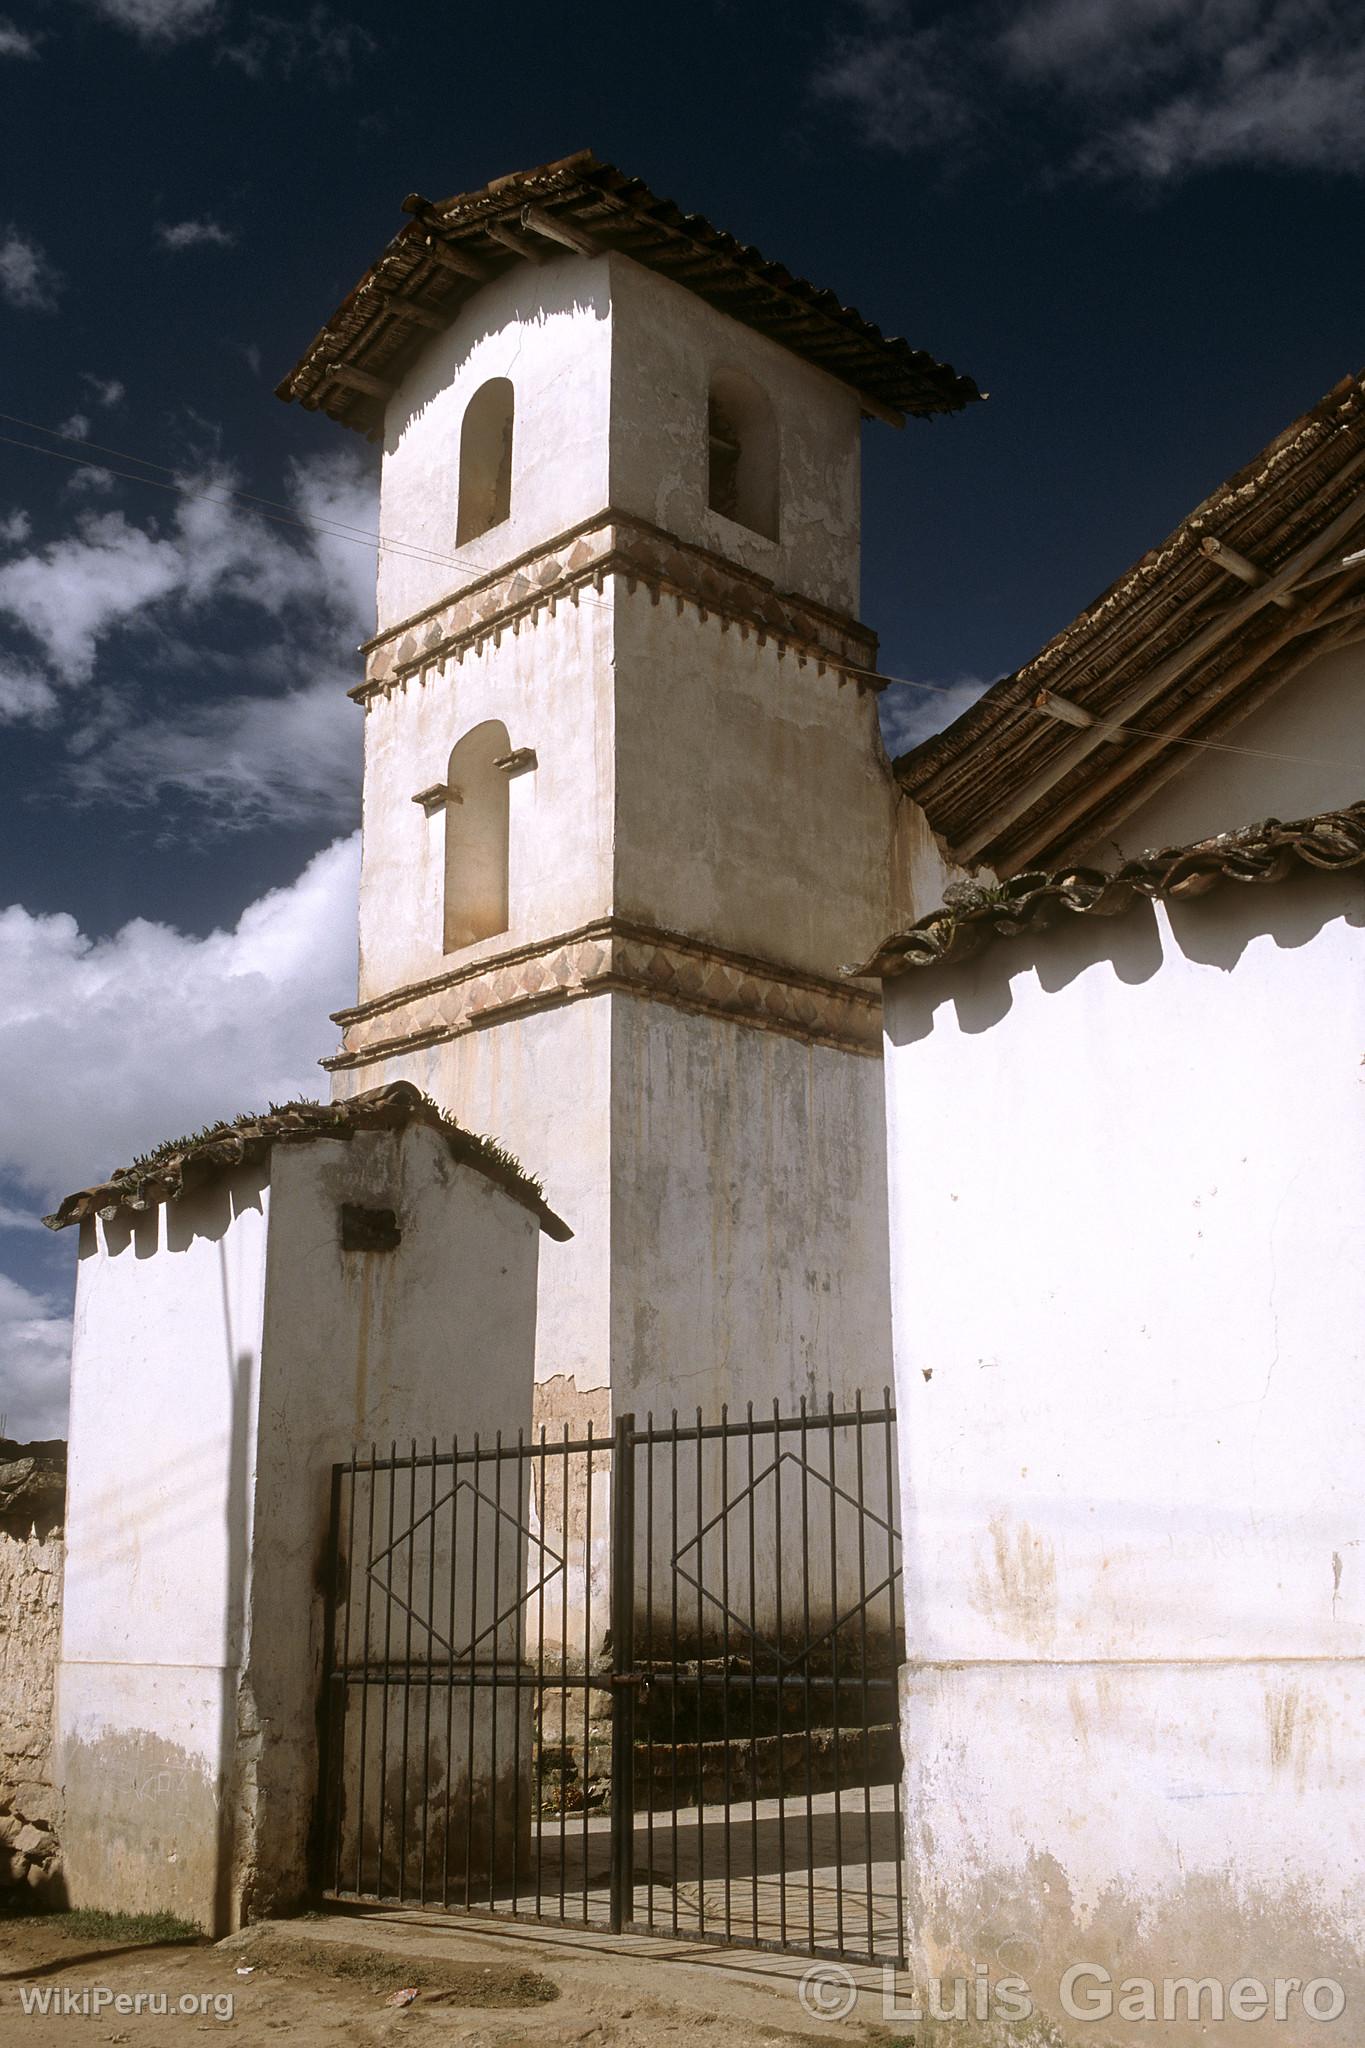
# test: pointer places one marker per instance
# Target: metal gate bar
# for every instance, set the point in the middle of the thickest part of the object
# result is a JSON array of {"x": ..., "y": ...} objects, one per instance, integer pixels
[
  {"x": 759, "y": 1650},
  {"x": 720, "y": 1761}
]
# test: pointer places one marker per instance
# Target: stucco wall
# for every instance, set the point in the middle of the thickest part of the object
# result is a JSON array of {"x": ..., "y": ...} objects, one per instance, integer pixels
[
  {"x": 227, "y": 1350},
  {"x": 547, "y": 328},
  {"x": 748, "y": 1257},
  {"x": 666, "y": 346},
  {"x": 166, "y": 1351},
  {"x": 1303, "y": 753},
  {"x": 1127, "y": 1214},
  {"x": 551, "y": 686},
  {"x": 754, "y": 805},
  {"x": 611, "y": 368},
  {"x": 540, "y": 1085}
]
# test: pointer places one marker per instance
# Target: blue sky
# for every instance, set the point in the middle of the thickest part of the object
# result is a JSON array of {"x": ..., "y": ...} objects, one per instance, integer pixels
[{"x": 1136, "y": 222}]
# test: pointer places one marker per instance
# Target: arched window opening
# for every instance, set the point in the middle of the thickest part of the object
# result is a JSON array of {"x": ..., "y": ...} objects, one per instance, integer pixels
[
  {"x": 486, "y": 459},
  {"x": 742, "y": 442},
  {"x": 476, "y": 837}
]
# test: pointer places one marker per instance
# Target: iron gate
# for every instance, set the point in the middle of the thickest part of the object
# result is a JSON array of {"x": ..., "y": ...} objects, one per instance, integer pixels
[{"x": 646, "y": 1682}]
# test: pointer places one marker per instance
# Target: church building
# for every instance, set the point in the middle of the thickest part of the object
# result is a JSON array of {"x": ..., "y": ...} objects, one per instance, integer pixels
[{"x": 627, "y": 811}]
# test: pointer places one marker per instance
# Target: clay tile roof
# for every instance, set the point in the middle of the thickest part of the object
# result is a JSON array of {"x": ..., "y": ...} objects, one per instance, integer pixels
[
  {"x": 450, "y": 247},
  {"x": 1178, "y": 649},
  {"x": 972, "y": 914},
  {"x": 163, "y": 1175}
]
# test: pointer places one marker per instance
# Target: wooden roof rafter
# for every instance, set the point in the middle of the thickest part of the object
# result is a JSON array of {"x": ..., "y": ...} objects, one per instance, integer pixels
[
  {"x": 451, "y": 247},
  {"x": 1166, "y": 656}
]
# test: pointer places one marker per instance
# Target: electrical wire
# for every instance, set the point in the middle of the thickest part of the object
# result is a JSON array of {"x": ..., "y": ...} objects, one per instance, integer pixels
[{"x": 278, "y": 513}]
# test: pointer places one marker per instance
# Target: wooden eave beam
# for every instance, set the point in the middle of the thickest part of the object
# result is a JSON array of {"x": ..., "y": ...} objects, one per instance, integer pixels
[
  {"x": 1162, "y": 676},
  {"x": 453, "y": 259},
  {"x": 357, "y": 380},
  {"x": 553, "y": 227},
  {"x": 520, "y": 245},
  {"x": 420, "y": 316},
  {"x": 1237, "y": 564},
  {"x": 1129, "y": 767},
  {"x": 1125, "y": 800}
]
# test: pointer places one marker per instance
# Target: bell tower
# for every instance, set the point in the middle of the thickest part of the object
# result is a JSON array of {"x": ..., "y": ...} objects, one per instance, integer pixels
[{"x": 626, "y": 809}]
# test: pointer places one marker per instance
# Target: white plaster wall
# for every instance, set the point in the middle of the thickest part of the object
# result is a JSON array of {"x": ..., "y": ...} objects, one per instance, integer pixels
[
  {"x": 551, "y": 685},
  {"x": 541, "y": 1085},
  {"x": 165, "y": 1369},
  {"x": 1128, "y": 1202},
  {"x": 433, "y": 1339},
  {"x": 227, "y": 1351},
  {"x": 547, "y": 327},
  {"x": 748, "y": 1253},
  {"x": 165, "y": 1357},
  {"x": 1305, "y": 753},
  {"x": 611, "y": 368},
  {"x": 666, "y": 345},
  {"x": 754, "y": 804}
]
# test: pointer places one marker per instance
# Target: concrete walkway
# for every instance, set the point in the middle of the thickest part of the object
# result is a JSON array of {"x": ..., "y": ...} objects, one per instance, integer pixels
[{"x": 769, "y": 1872}]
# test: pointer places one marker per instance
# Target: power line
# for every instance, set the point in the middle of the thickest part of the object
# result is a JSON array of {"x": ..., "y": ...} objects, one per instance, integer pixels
[{"x": 278, "y": 513}]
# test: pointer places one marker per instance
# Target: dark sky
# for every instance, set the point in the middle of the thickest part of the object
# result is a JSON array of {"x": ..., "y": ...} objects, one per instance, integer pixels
[{"x": 1138, "y": 226}]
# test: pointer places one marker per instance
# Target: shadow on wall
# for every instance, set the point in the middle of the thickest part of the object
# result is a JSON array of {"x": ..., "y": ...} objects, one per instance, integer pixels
[
  {"x": 1210, "y": 931},
  {"x": 532, "y": 304}
]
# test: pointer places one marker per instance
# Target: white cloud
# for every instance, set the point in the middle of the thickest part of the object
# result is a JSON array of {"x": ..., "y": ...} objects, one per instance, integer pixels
[
  {"x": 72, "y": 594},
  {"x": 68, "y": 595},
  {"x": 328, "y": 47},
  {"x": 160, "y": 21},
  {"x": 15, "y": 528},
  {"x": 1149, "y": 89},
  {"x": 291, "y": 759},
  {"x": 277, "y": 741},
  {"x": 19, "y": 1219},
  {"x": 27, "y": 279},
  {"x": 909, "y": 714},
  {"x": 194, "y": 234},
  {"x": 154, "y": 1031},
  {"x": 35, "y": 1359},
  {"x": 15, "y": 41},
  {"x": 77, "y": 428},
  {"x": 26, "y": 695},
  {"x": 106, "y": 391},
  {"x": 139, "y": 1037}
]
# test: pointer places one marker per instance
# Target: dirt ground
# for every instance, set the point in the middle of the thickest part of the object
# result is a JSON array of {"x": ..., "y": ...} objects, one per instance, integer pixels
[{"x": 329, "y": 1979}]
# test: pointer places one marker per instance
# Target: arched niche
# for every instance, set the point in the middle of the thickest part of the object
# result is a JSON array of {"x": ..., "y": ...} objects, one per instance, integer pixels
[
  {"x": 486, "y": 459},
  {"x": 742, "y": 448},
  {"x": 477, "y": 837}
]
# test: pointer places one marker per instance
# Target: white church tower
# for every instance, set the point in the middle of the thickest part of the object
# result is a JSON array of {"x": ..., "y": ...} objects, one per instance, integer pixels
[{"x": 626, "y": 808}]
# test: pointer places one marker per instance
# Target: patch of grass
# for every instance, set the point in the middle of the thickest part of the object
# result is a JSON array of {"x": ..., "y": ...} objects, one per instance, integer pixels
[
  {"x": 86, "y": 1923},
  {"x": 380, "y": 1971}
]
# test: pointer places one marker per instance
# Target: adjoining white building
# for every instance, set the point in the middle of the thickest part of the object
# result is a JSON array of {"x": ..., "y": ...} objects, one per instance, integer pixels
[
  {"x": 626, "y": 814},
  {"x": 626, "y": 802},
  {"x": 252, "y": 1306},
  {"x": 1126, "y": 1128}
]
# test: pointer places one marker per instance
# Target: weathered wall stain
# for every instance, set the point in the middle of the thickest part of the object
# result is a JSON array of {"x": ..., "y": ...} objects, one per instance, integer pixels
[{"x": 1015, "y": 1582}]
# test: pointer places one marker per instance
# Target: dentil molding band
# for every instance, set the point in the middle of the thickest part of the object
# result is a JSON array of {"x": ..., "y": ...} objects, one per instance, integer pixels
[
  {"x": 596, "y": 959},
  {"x": 609, "y": 545}
]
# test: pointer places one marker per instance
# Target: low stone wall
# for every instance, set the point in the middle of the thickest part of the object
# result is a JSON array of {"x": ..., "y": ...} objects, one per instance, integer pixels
[{"x": 32, "y": 1496}]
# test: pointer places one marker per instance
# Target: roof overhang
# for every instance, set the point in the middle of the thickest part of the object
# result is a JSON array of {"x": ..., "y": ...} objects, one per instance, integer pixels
[
  {"x": 1265, "y": 574},
  {"x": 165, "y": 1174},
  {"x": 450, "y": 248},
  {"x": 972, "y": 915}
]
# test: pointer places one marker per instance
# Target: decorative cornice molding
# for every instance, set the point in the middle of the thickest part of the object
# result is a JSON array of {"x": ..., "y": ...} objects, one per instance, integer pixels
[
  {"x": 612, "y": 955},
  {"x": 610, "y": 545}
]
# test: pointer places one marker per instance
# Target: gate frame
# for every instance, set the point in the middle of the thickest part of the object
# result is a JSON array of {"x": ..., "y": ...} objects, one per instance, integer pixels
[{"x": 620, "y": 1452}]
